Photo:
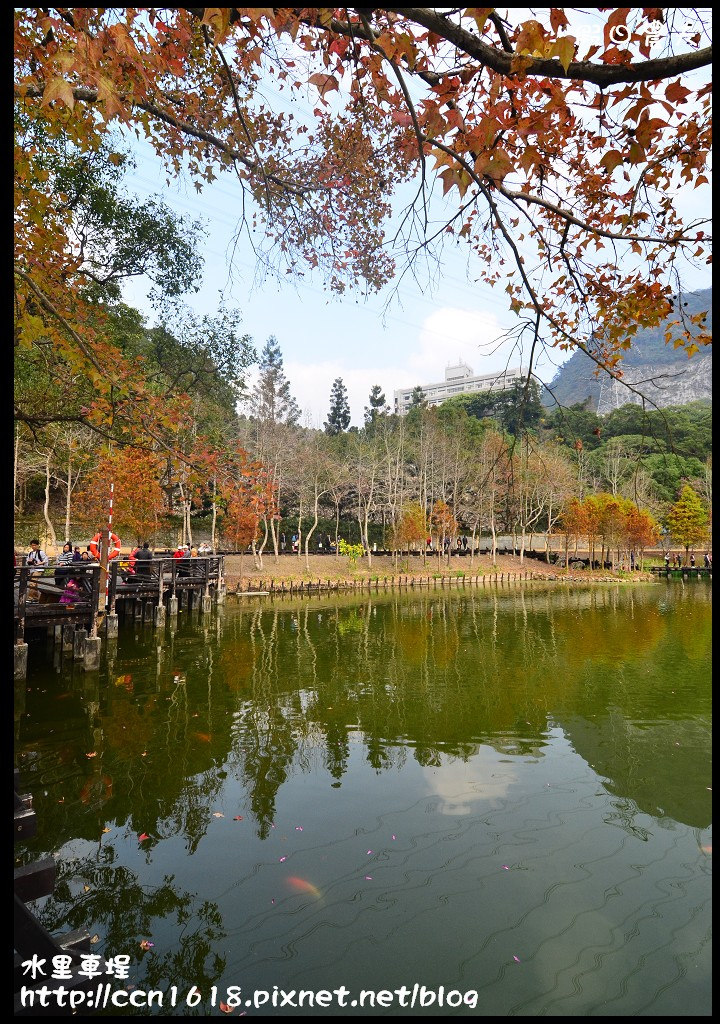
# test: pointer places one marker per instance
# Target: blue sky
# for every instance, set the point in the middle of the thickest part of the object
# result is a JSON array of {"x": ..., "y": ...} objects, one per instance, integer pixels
[{"x": 396, "y": 339}]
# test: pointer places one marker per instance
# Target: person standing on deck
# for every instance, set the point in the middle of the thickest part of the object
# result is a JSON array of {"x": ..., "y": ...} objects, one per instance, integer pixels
[
  {"x": 62, "y": 563},
  {"x": 143, "y": 558},
  {"x": 36, "y": 557}
]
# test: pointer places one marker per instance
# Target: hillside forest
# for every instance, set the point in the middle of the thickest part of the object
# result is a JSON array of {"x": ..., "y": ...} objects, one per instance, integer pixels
[{"x": 246, "y": 470}]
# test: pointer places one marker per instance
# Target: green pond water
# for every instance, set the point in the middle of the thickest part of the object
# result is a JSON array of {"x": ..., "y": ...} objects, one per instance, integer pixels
[{"x": 491, "y": 802}]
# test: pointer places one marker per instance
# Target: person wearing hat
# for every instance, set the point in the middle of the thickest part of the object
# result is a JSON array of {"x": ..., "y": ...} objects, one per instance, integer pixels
[{"x": 184, "y": 567}]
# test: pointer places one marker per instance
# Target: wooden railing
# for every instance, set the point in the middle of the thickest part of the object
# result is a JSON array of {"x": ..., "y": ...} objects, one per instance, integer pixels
[{"x": 37, "y": 597}]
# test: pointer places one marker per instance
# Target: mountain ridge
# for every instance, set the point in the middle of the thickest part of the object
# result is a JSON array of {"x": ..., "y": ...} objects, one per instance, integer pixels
[{"x": 655, "y": 371}]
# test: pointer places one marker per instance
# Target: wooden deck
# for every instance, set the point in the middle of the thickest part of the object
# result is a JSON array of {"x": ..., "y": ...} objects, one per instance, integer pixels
[
  {"x": 159, "y": 581},
  {"x": 37, "y": 599},
  {"x": 158, "y": 587}
]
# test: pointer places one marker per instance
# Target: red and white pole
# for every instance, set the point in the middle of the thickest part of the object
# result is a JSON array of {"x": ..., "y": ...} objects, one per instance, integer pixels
[{"x": 107, "y": 574}]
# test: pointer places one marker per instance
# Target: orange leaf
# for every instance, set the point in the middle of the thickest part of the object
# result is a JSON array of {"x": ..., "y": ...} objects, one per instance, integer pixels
[
  {"x": 676, "y": 93},
  {"x": 557, "y": 18},
  {"x": 480, "y": 14},
  {"x": 612, "y": 159},
  {"x": 323, "y": 83},
  {"x": 60, "y": 90}
]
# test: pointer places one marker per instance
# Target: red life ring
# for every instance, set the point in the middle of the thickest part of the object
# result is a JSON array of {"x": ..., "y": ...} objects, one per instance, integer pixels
[{"x": 114, "y": 550}]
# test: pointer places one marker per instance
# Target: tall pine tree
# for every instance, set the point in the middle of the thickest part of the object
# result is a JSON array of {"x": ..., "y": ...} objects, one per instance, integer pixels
[
  {"x": 378, "y": 405},
  {"x": 271, "y": 401},
  {"x": 418, "y": 399},
  {"x": 339, "y": 416}
]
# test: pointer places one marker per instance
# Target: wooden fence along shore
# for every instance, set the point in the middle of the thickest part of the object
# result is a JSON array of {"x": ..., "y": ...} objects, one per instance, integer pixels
[
  {"x": 281, "y": 587},
  {"x": 163, "y": 587},
  {"x": 271, "y": 587}
]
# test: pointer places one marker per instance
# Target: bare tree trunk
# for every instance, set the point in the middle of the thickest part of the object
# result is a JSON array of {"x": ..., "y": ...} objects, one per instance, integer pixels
[
  {"x": 214, "y": 513},
  {"x": 299, "y": 531},
  {"x": 46, "y": 504},
  {"x": 364, "y": 539},
  {"x": 67, "y": 497},
  {"x": 183, "y": 504},
  {"x": 307, "y": 539},
  {"x": 15, "y": 469},
  {"x": 257, "y": 555},
  {"x": 188, "y": 522},
  {"x": 273, "y": 535}
]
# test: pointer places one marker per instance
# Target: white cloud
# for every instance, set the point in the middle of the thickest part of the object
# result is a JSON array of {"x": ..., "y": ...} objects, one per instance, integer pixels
[
  {"x": 463, "y": 786},
  {"x": 451, "y": 334},
  {"x": 447, "y": 335}
]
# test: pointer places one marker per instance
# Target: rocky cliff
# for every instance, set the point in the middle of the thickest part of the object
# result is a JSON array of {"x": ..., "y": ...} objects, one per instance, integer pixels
[{"x": 662, "y": 374}]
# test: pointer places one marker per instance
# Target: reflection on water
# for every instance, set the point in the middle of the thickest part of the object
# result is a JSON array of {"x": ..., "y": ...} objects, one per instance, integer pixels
[{"x": 504, "y": 791}]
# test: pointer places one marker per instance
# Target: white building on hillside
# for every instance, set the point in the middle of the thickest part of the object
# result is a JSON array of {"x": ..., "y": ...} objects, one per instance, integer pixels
[{"x": 459, "y": 380}]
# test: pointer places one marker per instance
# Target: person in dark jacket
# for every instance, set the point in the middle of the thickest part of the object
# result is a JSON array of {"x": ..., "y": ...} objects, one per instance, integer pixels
[{"x": 143, "y": 558}]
